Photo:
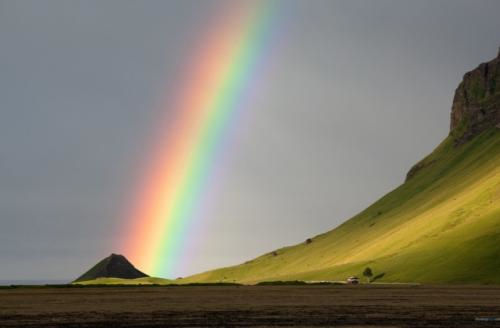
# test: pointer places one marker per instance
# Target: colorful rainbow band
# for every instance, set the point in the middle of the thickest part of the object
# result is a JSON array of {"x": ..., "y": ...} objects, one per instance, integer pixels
[{"x": 216, "y": 88}]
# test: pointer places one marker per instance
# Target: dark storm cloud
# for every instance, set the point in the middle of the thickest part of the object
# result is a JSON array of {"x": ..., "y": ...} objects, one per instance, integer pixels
[{"x": 357, "y": 92}]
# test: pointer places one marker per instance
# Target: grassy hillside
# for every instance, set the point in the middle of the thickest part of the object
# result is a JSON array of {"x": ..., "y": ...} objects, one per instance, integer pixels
[{"x": 440, "y": 226}]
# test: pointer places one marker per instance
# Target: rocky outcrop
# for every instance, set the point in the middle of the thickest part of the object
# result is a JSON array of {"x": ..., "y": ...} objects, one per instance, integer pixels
[
  {"x": 113, "y": 266},
  {"x": 418, "y": 167},
  {"x": 476, "y": 105}
]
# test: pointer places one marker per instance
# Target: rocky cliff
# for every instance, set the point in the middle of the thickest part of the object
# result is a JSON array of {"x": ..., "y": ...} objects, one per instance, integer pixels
[
  {"x": 476, "y": 104},
  {"x": 475, "y": 108}
]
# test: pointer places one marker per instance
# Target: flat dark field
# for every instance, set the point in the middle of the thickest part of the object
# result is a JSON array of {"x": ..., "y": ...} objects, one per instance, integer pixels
[{"x": 334, "y": 306}]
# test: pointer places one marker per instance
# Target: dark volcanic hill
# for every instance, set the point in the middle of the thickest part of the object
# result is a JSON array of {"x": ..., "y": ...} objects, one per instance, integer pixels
[{"x": 113, "y": 266}]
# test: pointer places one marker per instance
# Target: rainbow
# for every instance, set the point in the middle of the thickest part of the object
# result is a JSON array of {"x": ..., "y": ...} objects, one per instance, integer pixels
[{"x": 216, "y": 85}]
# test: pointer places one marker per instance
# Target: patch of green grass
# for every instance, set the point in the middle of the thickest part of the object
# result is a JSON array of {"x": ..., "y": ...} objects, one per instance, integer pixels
[
  {"x": 146, "y": 281},
  {"x": 298, "y": 283},
  {"x": 119, "y": 281}
]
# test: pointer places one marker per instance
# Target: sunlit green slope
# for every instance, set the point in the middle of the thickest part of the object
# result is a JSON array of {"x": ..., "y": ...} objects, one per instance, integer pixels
[{"x": 443, "y": 225}]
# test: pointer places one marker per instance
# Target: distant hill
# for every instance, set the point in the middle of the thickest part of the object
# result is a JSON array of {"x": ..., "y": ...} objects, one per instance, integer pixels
[
  {"x": 442, "y": 225},
  {"x": 113, "y": 266}
]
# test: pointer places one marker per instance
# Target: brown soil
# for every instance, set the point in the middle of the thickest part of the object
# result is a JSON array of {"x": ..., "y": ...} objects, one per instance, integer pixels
[{"x": 334, "y": 306}]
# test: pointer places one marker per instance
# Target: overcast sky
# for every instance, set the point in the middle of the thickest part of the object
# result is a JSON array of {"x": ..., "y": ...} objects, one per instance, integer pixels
[{"x": 358, "y": 92}]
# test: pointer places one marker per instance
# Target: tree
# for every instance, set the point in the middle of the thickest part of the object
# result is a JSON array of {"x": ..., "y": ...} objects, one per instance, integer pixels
[{"x": 368, "y": 274}]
